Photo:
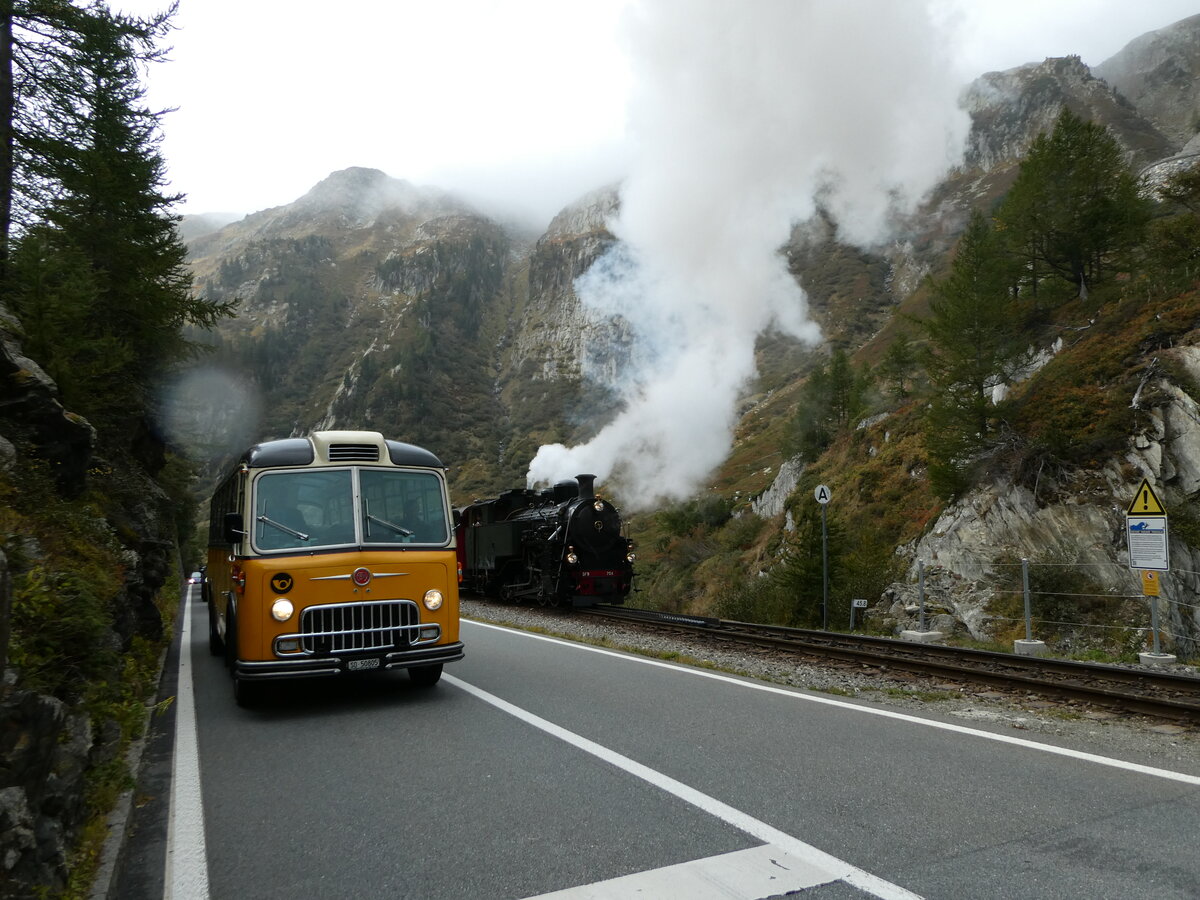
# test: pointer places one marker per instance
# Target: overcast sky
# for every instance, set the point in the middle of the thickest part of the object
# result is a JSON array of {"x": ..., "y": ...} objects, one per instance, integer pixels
[{"x": 521, "y": 103}]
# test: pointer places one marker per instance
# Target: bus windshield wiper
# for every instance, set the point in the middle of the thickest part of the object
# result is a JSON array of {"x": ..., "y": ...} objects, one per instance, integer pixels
[
  {"x": 293, "y": 532},
  {"x": 399, "y": 529}
]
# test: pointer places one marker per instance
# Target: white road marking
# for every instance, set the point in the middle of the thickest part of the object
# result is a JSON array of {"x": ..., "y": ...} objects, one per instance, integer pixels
[
  {"x": 828, "y": 867},
  {"x": 187, "y": 856},
  {"x": 763, "y": 871},
  {"x": 795, "y": 694}
]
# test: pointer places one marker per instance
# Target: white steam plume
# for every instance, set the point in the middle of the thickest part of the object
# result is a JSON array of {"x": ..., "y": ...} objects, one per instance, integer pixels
[{"x": 746, "y": 116}]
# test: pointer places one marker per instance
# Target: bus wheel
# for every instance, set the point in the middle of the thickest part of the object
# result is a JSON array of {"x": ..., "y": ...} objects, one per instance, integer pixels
[
  {"x": 246, "y": 693},
  {"x": 216, "y": 646},
  {"x": 231, "y": 637},
  {"x": 425, "y": 676}
]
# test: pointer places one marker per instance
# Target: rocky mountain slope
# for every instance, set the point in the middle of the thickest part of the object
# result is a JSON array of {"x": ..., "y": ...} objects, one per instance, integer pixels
[
  {"x": 374, "y": 303},
  {"x": 1159, "y": 75}
]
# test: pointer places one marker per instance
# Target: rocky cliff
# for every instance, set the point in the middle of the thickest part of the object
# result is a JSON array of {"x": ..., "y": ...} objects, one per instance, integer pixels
[
  {"x": 1076, "y": 517},
  {"x": 1009, "y": 109},
  {"x": 370, "y": 303},
  {"x": 50, "y": 747},
  {"x": 1159, "y": 74}
]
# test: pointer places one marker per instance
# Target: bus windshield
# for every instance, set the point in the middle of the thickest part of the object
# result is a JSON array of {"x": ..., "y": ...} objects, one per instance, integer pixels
[{"x": 320, "y": 508}]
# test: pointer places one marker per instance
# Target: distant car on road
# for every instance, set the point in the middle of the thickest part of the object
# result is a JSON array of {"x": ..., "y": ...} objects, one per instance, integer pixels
[{"x": 196, "y": 578}]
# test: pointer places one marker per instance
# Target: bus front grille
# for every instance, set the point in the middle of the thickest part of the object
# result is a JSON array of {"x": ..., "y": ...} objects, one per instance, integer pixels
[{"x": 359, "y": 627}]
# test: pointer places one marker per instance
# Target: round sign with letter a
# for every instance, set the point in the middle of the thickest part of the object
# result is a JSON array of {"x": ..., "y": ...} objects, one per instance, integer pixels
[{"x": 822, "y": 494}]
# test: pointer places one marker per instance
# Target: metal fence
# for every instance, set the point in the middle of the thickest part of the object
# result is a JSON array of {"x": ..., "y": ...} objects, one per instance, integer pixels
[{"x": 1048, "y": 608}]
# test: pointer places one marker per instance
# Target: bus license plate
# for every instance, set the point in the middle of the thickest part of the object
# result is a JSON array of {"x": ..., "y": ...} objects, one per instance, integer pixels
[{"x": 357, "y": 665}]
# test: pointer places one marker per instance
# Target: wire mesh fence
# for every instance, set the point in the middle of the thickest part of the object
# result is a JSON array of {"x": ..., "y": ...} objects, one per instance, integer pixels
[{"x": 1068, "y": 601}]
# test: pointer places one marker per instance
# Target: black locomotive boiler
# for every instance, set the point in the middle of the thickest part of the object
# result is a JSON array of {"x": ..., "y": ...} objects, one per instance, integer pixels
[{"x": 561, "y": 545}]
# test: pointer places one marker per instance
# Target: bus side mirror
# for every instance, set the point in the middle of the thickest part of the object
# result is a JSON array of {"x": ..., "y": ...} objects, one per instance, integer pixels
[{"x": 234, "y": 530}]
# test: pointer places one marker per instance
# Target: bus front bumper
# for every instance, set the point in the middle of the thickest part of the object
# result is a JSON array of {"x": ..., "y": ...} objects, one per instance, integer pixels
[{"x": 317, "y": 666}]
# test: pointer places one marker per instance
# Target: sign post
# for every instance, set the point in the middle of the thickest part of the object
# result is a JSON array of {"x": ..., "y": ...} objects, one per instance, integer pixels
[
  {"x": 1146, "y": 534},
  {"x": 823, "y": 495}
]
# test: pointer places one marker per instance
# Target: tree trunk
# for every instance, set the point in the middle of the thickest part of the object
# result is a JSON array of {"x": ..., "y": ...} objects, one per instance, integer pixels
[{"x": 6, "y": 135}]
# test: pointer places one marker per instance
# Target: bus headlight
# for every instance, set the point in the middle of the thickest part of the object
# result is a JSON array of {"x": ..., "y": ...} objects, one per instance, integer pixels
[
  {"x": 433, "y": 599},
  {"x": 281, "y": 610}
]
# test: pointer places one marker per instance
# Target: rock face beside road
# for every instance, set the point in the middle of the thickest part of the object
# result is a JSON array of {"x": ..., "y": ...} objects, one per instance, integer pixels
[
  {"x": 48, "y": 745},
  {"x": 30, "y": 412},
  {"x": 1079, "y": 518}
]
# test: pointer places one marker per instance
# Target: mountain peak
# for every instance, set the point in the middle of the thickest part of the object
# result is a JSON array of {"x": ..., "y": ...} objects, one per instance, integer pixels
[
  {"x": 363, "y": 193},
  {"x": 1009, "y": 109},
  {"x": 1159, "y": 73}
]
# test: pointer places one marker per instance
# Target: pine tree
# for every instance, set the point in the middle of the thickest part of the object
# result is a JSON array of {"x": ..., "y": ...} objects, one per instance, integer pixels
[
  {"x": 830, "y": 400},
  {"x": 108, "y": 224},
  {"x": 1173, "y": 242},
  {"x": 974, "y": 344},
  {"x": 37, "y": 67},
  {"x": 1074, "y": 212},
  {"x": 898, "y": 365}
]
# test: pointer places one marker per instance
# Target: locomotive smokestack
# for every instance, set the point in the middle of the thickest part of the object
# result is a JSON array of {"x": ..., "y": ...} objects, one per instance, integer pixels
[{"x": 586, "y": 486}]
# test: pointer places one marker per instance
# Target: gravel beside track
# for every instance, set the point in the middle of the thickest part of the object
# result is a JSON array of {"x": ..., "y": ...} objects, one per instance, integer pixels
[{"x": 1139, "y": 739}]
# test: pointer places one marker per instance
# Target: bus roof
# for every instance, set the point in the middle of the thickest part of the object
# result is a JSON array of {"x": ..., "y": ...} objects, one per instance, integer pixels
[{"x": 333, "y": 447}]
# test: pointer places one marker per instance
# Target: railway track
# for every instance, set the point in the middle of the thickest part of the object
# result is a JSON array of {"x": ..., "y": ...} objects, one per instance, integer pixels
[{"x": 1147, "y": 692}]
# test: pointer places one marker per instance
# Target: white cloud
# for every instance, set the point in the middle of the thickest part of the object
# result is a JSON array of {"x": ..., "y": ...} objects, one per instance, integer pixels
[
  {"x": 273, "y": 96},
  {"x": 507, "y": 98}
]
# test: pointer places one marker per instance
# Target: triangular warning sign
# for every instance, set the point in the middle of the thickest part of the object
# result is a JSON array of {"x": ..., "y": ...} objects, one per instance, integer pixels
[{"x": 1145, "y": 502}]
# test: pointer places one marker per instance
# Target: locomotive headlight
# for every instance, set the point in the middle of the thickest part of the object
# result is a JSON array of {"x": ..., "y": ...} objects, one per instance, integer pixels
[
  {"x": 572, "y": 556},
  {"x": 433, "y": 599},
  {"x": 630, "y": 556},
  {"x": 281, "y": 609},
  {"x": 598, "y": 506}
]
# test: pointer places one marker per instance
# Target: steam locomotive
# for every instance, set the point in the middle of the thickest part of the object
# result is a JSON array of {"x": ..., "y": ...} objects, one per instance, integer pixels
[{"x": 561, "y": 545}]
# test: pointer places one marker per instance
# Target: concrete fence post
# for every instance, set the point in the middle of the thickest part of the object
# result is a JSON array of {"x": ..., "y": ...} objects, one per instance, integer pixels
[
  {"x": 921, "y": 592},
  {"x": 1028, "y": 647},
  {"x": 1025, "y": 590}
]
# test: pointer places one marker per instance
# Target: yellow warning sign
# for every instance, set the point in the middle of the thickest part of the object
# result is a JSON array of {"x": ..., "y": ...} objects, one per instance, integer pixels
[
  {"x": 1145, "y": 502},
  {"x": 1149, "y": 583}
]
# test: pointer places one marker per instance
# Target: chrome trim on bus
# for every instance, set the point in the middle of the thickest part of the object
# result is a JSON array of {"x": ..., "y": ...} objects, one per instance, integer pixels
[
  {"x": 357, "y": 628},
  {"x": 348, "y": 577},
  {"x": 308, "y": 635}
]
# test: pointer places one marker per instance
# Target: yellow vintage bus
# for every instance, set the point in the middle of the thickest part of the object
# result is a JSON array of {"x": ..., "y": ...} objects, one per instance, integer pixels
[{"x": 331, "y": 554}]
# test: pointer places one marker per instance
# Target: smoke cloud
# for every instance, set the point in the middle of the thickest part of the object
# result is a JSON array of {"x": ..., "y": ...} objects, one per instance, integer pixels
[{"x": 745, "y": 118}]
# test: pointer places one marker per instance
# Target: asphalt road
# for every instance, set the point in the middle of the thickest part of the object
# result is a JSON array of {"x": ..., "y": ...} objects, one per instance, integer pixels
[{"x": 539, "y": 766}]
